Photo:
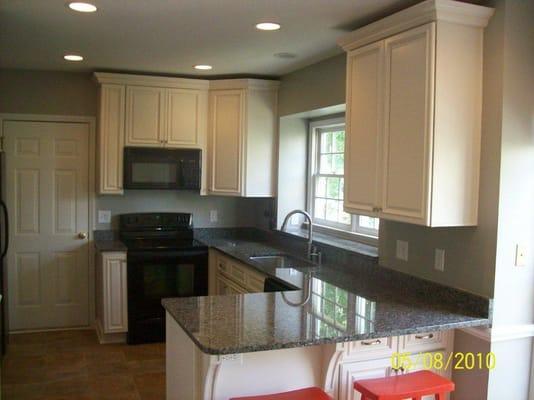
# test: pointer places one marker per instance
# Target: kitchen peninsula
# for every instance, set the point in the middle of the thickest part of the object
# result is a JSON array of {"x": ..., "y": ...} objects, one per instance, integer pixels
[{"x": 344, "y": 322}]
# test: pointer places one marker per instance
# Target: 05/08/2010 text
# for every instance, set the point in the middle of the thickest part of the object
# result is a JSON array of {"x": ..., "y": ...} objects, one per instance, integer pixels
[{"x": 440, "y": 361}]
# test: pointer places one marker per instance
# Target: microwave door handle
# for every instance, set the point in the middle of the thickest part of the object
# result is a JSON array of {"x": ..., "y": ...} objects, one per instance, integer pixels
[{"x": 6, "y": 229}]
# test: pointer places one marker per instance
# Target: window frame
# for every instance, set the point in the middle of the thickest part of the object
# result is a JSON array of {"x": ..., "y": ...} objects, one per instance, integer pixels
[{"x": 352, "y": 231}]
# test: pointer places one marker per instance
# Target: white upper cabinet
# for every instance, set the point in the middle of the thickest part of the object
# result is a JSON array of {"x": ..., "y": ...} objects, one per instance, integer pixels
[
  {"x": 187, "y": 111},
  {"x": 110, "y": 138},
  {"x": 363, "y": 147},
  {"x": 148, "y": 111},
  {"x": 414, "y": 86},
  {"x": 242, "y": 137},
  {"x": 145, "y": 125}
]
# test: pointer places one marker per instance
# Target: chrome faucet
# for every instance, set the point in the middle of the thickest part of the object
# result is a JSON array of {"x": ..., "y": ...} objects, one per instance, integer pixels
[{"x": 311, "y": 252}]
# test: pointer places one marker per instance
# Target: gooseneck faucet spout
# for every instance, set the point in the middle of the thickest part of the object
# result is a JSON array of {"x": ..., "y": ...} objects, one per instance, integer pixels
[{"x": 311, "y": 252}]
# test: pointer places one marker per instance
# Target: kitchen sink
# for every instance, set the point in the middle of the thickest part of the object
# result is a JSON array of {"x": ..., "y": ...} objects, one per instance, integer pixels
[{"x": 281, "y": 261}]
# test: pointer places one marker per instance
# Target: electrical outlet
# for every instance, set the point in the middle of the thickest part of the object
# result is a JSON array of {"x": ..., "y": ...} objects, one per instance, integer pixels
[
  {"x": 104, "y": 216},
  {"x": 214, "y": 216},
  {"x": 439, "y": 260},
  {"x": 402, "y": 250},
  {"x": 520, "y": 255}
]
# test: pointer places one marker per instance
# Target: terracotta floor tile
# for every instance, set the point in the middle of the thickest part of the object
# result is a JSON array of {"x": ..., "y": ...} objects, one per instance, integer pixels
[
  {"x": 151, "y": 386},
  {"x": 114, "y": 387},
  {"x": 22, "y": 391},
  {"x": 73, "y": 365}
]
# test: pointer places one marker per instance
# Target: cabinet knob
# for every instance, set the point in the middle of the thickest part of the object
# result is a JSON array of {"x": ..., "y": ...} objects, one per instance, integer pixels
[{"x": 82, "y": 235}]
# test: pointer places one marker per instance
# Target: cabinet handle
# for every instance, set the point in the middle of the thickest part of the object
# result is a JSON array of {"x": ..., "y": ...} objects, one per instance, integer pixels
[
  {"x": 371, "y": 342},
  {"x": 420, "y": 337}
]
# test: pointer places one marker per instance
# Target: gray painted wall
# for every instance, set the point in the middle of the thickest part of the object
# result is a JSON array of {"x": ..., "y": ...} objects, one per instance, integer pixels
[
  {"x": 317, "y": 86},
  {"x": 46, "y": 92},
  {"x": 292, "y": 164},
  {"x": 62, "y": 93},
  {"x": 231, "y": 211}
]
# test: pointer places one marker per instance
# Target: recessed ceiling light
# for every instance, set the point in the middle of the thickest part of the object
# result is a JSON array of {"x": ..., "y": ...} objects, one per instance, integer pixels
[
  {"x": 73, "y": 57},
  {"x": 268, "y": 26},
  {"x": 203, "y": 67},
  {"x": 82, "y": 7}
]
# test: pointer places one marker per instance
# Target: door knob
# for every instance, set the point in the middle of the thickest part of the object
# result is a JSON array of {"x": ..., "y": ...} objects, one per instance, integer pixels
[{"x": 82, "y": 235}]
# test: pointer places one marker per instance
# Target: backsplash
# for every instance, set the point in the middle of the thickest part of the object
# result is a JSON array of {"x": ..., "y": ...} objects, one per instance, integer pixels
[{"x": 231, "y": 211}]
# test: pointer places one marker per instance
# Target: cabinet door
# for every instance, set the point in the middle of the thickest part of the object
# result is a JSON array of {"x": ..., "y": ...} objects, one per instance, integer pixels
[
  {"x": 408, "y": 124},
  {"x": 226, "y": 141},
  {"x": 111, "y": 138},
  {"x": 144, "y": 116},
  {"x": 364, "y": 128},
  {"x": 115, "y": 294},
  {"x": 350, "y": 372},
  {"x": 186, "y": 109},
  {"x": 225, "y": 286}
]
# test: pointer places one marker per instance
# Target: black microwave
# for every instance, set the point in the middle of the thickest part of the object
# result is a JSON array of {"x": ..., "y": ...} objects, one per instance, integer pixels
[{"x": 171, "y": 169}]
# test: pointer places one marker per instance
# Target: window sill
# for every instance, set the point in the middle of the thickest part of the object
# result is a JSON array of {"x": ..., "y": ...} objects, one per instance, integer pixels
[{"x": 352, "y": 245}]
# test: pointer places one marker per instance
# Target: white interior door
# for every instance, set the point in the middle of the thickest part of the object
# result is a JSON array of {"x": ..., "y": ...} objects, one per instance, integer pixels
[{"x": 47, "y": 195}]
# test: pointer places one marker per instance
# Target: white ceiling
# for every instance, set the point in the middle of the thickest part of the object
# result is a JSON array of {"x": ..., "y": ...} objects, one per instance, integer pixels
[{"x": 169, "y": 36}]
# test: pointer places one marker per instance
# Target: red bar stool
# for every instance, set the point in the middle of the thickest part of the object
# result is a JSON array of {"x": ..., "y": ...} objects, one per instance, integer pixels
[
  {"x": 408, "y": 386},
  {"x": 311, "y": 393}
]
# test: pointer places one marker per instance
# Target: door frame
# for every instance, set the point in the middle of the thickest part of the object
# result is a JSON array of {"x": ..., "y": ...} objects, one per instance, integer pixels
[{"x": 91, "y": 122}]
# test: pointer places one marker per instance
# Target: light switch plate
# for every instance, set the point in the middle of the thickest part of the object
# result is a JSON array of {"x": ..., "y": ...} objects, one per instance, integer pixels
[
  {"x": 402, "y": 250},
  {"x": 104, "y": 216},
  {"x": 520, "y": 255},
  {"x": 214, "y": 216},
  {"x": 439, "y": 260}
]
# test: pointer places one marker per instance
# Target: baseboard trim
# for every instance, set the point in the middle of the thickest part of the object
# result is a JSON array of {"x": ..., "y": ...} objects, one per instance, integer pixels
[
  {"x": 108, "y": 338},
  {"x": 502, "y": 333}
]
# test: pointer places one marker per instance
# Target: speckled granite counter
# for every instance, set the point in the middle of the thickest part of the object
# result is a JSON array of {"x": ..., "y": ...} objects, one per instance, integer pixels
[
  {"x": 106, "y": 240},
  {"x": 351, "y": 299}
]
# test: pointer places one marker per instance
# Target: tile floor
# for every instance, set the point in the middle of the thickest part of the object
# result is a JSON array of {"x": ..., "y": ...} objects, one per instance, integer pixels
[{"x": 72, "y": 365}]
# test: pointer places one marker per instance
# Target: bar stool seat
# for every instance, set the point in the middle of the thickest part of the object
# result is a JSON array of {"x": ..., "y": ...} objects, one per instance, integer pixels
[
  {"x": 311, "y": 393},
  {"x": 408, "y": 386}
]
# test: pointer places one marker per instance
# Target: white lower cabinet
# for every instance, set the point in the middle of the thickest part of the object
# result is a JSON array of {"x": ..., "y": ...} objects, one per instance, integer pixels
[
  {"x": 111, "y": 296},
  {"x": 372, "y": 358},
  {"x": 353, "y": 371},
  {"x": 228, "y": 276}
]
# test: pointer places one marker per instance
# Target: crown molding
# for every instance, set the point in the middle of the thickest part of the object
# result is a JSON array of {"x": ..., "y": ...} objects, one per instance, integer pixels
[
  {"x": 243, "y": 83},
  {"x": 419, "y": 14},
  {"x": 148, "y": 80}
]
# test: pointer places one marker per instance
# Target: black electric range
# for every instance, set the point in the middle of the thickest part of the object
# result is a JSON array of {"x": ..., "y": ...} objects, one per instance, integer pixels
[{"x": 164, "y": 260}]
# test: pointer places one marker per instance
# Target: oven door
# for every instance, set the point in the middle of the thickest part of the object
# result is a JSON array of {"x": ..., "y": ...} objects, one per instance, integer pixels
[
  {"x": 152, "y": 168},
  {"x": 154, "y": 275}
]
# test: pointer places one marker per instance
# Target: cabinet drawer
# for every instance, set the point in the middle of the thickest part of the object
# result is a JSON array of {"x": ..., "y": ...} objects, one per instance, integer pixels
[
  {"x": 371, "y": 349},
  {"x": 427, "y": 341},
  {"x": 238, "y": 273}
]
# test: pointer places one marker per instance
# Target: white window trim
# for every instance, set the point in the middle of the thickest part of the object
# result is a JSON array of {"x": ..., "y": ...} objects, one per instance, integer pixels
[{"x": 362, "y": 235}]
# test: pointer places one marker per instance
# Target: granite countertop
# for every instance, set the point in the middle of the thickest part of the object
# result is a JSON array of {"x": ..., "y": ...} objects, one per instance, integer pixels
[
  {"x": 347, "y": 303},
  {"x": 108, "y": 240}
]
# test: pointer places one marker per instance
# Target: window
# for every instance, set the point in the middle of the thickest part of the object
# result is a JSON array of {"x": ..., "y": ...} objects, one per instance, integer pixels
[{"x": 327, "y": 180}]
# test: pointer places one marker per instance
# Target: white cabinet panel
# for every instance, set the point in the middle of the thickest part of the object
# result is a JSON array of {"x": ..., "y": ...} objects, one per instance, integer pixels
[
  {"x": 111, "y": 138},
  {"x": 185, "y": 117},
  {"x": 408, "y": 130},
  {"x": 350, "y": 372},
  {"x": 114, "y": 302},
  {"x": 226, "y": 135},
  {"x": 144, "y": 116},
  {"x": 364, "y": 121}
]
